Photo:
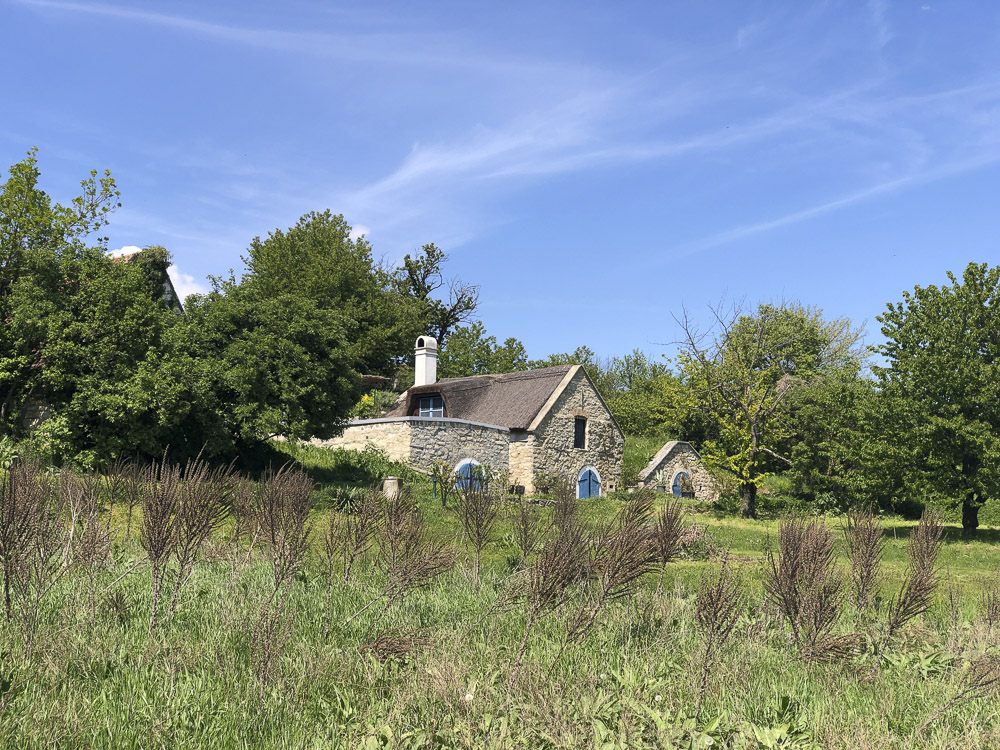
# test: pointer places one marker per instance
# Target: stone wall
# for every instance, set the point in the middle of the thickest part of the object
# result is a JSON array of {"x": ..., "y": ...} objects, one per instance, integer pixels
[
  {"x": 553, "y": 438},
  {"x": 421, "y": 441},
  {"x": 453, "y": 440},
  {"x": 522, "y": 465},
  {"x": 673, "y": 458},
  {"x": 391, "y": 435}
]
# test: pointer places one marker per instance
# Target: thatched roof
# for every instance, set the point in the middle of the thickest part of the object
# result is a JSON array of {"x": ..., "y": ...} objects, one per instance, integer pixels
[{"x": 511, "y": 400}]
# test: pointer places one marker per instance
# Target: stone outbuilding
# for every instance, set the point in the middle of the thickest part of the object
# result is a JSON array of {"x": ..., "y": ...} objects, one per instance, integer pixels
[
  {"x": 535, "y": 425},
  {"x": 678, "y": 468}
]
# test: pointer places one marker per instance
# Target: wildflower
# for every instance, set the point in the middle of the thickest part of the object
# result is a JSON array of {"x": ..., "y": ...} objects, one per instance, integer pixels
[
  {"x": 658, "y": 698},
  {"x": 468, "y": 697},
  {"x": 603, "y": 676}
]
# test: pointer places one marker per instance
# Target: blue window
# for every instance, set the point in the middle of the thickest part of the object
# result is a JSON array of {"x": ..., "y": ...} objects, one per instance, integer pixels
[
  {"x": 589, "y": 484},
  {"x": 431, "y": 406},
  {"x": 682, "y": 485},
  {"x": 469, "y": 475}
]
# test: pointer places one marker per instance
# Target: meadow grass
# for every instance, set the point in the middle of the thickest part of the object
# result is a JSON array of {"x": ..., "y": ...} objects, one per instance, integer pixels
[{"x": 634, "y": 682}]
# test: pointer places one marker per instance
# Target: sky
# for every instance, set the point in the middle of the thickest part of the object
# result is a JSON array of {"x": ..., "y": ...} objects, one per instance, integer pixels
[{"x": 599, "y": 169}]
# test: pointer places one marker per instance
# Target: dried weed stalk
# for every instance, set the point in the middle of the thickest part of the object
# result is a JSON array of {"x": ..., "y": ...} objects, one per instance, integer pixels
[
  {"x": 90, "y": 532},
  {"x": 203, "y": 506},
  {"x": 43, "y": 561},
  {"x": 989, "y": 602},
  {"x": 527, "y": 528},
  {"x": 415, "y": 564},
  {"x": 805, "y": 584},
  {"x": 981, "y": 680},
  {"x": 718, "y": 607},
  {"x": 21, "y": 501},
  {"x": 668, "y": 532},
  {"x": 243, "y": 506},
  {"x": 348, "y": 538},
  {"x": 922, "y": 576},
  {"x": 863, "y": 533},
  {"x": 478, "y": 507},
  {"x": 622, "y": 552},
  {"x": 562, "y": 561},
  {"x": 283, "y": 516},
  {"x": 397, "y": 643},
  {"x": 160, "y": 502}
]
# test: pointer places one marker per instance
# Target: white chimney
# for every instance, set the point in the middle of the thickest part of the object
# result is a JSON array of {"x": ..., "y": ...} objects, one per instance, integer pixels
[{"x": 426, "y": 370}]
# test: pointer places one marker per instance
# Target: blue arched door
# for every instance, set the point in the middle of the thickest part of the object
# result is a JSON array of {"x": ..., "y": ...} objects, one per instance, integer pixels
[
  {"x": 589, "y": 484},
  {"x": 468, "y": 476}
]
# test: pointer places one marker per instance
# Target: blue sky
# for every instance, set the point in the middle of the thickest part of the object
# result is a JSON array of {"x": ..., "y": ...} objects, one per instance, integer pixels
[{"x": 597, "y": 168}]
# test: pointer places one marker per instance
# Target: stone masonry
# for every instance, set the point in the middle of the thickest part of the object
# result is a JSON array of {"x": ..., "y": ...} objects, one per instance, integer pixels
[
  {"x": 422, "y": 441},
  {"x": 551, "y": 441},
  {"x": 673, "y": 458}
]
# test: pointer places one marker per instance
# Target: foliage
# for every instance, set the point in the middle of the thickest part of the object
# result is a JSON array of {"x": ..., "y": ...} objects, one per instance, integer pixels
[
  {"x": 743, "y": 372},
  {"x": 470, "y": 351},
  {"x": 374, "y": 404},
  {"x": 941, "y": 384},
  {"x": 317, "y": 261}
]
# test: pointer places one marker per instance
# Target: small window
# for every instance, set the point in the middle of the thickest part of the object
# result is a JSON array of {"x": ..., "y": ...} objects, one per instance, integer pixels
[
  {"x": 580, "y": 432},
  {"x": 431, "y": 406}
]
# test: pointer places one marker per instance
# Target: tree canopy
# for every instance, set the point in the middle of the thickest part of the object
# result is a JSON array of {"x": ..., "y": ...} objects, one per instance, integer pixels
[{"x": 941, "y": 384}]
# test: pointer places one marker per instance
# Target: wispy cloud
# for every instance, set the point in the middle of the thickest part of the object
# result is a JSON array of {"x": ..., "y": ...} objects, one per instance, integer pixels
[{"x": 385, "y": 48}]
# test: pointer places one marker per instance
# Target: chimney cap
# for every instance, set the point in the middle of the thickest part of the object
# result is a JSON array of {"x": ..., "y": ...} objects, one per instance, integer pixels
[{"x": 427, "y": 342}]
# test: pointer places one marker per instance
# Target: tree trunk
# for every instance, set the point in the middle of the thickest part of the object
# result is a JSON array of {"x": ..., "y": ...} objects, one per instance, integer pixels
[
  {"x": 748, "y": 500},
  {"x": 970, "y": 518}
]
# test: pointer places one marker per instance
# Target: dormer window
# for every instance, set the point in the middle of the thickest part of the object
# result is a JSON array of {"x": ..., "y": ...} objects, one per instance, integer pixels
[{"x": 431, "y": 406}]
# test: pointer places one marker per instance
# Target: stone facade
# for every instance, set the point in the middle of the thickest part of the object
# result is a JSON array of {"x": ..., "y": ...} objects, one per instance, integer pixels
[
  {"x": 552, "y": 438},
  {"x": 422, "y": 441},
  {"x": 456, "y": 440},
  {"x": 673, "y": 458},
  {"x": 540, "y": 409}
]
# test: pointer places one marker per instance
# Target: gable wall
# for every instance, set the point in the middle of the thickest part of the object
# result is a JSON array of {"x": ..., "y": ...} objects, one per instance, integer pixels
[
  {"x": 553, "y": 438},
  {"x": 681, "y": 458}
]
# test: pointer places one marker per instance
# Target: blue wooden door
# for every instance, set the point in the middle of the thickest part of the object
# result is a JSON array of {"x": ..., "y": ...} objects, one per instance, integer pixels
[
  {"x": 680, "y": 481},
  {"x": 588, "y": 485},
  {"x": 468, "y": 477}
]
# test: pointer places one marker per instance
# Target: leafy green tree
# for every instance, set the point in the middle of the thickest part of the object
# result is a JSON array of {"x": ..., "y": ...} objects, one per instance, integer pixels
[
  {"x": 319, "y": 261},
  {"x": 942, "y": 379},
  {"x": 258, "y": 368},
  {"x": 40, "y": 242},
  {"x": 470, "y": 351},
  {"x": 744, "y": 372}
]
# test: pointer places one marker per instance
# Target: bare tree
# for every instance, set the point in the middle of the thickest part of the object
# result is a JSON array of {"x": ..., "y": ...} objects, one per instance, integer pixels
[{"x": 420, "y": 277}]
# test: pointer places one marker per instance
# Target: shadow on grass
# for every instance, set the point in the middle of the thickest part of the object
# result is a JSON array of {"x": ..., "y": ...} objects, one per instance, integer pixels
[{"x": 952, "y": 533}]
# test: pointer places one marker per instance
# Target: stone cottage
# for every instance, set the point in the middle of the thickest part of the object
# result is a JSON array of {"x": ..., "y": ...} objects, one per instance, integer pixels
[
  {"x": 533, "y": 424},
  {"x": 678, "y": 468}
]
